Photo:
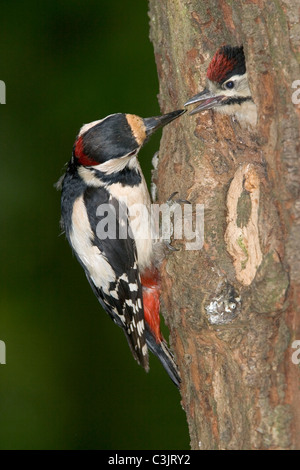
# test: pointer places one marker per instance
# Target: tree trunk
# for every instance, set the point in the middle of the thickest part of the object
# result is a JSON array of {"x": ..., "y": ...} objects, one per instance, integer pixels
[{"x": 233, "y": 307}]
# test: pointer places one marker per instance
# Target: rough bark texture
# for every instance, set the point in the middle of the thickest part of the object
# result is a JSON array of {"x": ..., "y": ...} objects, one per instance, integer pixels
[{"x": 233, "y": 306}]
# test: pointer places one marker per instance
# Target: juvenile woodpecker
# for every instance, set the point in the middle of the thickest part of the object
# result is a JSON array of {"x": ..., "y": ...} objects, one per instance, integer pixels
[
  {"x": 227, "y": 89},
  {"x": 101, "y": 189}
]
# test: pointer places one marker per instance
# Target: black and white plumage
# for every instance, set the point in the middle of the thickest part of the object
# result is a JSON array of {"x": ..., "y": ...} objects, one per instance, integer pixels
[
  {"x": 104, "y": 182},
  {"x": 227, "y": 89}
]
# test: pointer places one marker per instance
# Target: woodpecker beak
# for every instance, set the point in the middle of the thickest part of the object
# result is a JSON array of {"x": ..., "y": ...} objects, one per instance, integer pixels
[
  {"x": 154, "y": 123},
  {"x": 207, "y": 100}
]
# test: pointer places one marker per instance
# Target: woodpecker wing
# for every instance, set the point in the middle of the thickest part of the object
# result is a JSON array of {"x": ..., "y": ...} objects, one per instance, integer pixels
[{"x": 121, "y": 297}]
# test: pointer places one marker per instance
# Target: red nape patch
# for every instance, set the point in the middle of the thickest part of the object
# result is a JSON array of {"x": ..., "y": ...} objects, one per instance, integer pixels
[
  {"x": 220, "y": 66},
  {"x": 81, "y": 156},
  {"x": 150, "y": 283}
]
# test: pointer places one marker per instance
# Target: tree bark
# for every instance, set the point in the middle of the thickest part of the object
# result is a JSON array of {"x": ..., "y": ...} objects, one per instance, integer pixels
[{"x": 233, "y": 307}]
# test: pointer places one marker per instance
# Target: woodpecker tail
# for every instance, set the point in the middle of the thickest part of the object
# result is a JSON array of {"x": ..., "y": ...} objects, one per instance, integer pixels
[
  {"x": 154, "y": 339},
  {"x": 161, "y": 350}
]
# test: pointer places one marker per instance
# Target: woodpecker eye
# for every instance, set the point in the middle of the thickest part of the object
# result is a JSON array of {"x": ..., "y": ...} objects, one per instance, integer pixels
[{"x": 229, "y": 85}]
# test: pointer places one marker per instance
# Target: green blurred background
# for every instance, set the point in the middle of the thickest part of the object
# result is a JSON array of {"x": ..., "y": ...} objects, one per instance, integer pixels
[{"x": 70, "y": 381}]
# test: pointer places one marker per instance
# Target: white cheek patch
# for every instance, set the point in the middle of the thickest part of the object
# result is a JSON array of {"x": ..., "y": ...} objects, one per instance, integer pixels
[
  {"x": 241, "y": 86},
  {"x": 114, "y": 165}
]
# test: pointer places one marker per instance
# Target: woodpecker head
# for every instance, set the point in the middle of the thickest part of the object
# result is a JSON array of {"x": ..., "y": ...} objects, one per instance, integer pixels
[
  {"x": 227, "y": 87},
  {"x": 114, "y": 138}
]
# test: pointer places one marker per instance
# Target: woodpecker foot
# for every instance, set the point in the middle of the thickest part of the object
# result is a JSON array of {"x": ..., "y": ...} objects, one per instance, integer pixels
[
  {"x": 170, "y": 247},
  {"x": 178, "y": 201}
]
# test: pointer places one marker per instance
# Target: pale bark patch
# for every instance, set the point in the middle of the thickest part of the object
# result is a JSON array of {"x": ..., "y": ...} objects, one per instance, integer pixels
[{"x": 242, "y": 241}]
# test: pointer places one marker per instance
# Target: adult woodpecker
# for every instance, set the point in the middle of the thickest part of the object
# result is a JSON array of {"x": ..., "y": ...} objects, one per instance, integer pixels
[
  {"x": 227, "y": 89},
  {"x": 102, "y": 187}
]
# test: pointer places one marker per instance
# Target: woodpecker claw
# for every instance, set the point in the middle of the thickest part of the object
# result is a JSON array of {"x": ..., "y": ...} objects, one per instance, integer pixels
[
  {"x": 172, "y": 195},
  {"x": 170, "y": 247},
  {"x": 183, "y": 201},
  {"x": 178, "y": 201}
]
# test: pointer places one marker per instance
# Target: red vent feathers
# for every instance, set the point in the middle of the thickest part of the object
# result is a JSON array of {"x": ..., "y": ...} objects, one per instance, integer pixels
[{"x": 151, "y": 302}]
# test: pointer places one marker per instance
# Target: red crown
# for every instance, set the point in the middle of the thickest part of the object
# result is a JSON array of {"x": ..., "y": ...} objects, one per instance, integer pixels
[{"x": 220, "y": 66}]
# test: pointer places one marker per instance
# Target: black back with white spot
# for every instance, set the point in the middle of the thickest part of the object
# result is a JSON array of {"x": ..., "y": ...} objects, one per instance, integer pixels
[
  {"x": 122, "y": 257},
  {"x": 123, "y": 300}
]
